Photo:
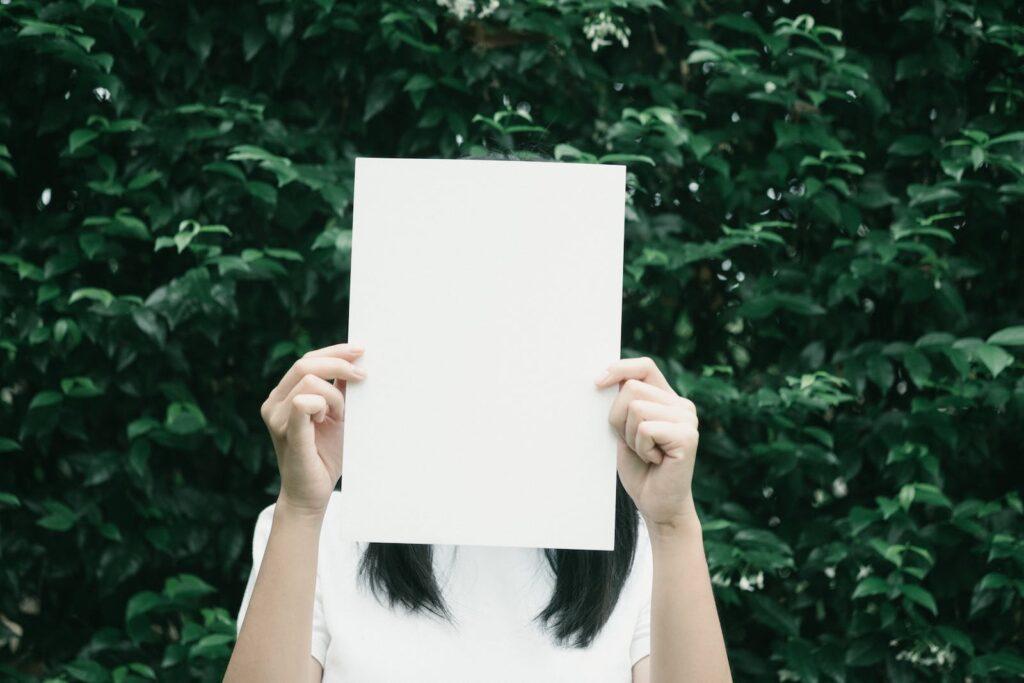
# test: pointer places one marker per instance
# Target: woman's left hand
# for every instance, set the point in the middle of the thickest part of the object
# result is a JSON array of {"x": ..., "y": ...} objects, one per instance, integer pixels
[{"x": 657, "y": 433}]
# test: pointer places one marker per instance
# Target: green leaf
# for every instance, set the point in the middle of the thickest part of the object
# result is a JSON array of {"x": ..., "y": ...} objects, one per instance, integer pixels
[
  {"x": 224, "y": 168},
  {"x": 59, "y": 517},
  {"x": 1004, "y": 662},
  {"x": 994, "y": 358},
  {"x": 79, "y": 138},
  {"x": 625, "y": 159},
  {"x": 80, "y": 387},
  {"x": 186, "y": 586},
  {"x": 869, "y": 586},
  {"x": 184, "y": 418},
  {"x": 92, "y": 294},
  {"x": 912, "y": 145},
  {"x": 144, "y": 180},
  {"x": 1009, "y": 336},
  {"x": 143, "y": 603},
  {"x": 919, "y": 595},
  {"x": 45, "y": 399},
  {"x": 283, "y": 254},
  {"x": 418, "y": 83}
]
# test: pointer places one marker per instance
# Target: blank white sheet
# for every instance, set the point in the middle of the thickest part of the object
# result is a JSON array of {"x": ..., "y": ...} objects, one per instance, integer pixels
[{"x": 488, "y": 296}]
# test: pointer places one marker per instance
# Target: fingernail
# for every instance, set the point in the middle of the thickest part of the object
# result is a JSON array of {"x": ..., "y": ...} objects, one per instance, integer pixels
[
  {"x": 602, "y": 377},
  {"x": 359, "y": 372}
]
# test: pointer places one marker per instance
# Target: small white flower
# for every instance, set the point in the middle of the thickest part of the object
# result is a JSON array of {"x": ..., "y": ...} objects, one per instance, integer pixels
[
  {"x": 464, "y": 8},
  {"x": 769, "y": 87},
  {"x": 752, "y": 583},
  {"x": 602, "y": 27},
  {"x": 830, "y": 572},
  {"x": 487, "y": 9},
  {"x": 839, "y": 488}
]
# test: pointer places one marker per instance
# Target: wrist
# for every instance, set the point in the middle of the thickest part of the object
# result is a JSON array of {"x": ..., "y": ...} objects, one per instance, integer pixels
[
  {"x": 684, "y": 526},
  {"x": 293, "y": 511}
]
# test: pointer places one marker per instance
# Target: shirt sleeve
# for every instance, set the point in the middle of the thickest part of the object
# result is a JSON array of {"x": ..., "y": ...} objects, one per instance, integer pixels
[
  {"x": 640, "y": 646},
  {"x": 321, "y": 637}
]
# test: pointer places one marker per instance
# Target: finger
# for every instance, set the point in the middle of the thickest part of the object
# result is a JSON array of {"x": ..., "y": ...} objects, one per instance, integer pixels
[
  {"x": 321, "y": 366},
  {"x": 311, "y": 384},
  {"x": 674, "y": 439},
  {"x": 348, "y": 351},
  {"x": 643, "y": 369},
  {"x": 302, "y": 409},
  {"x": 632, "y": 390},
  {"x": 645, "y": 446},
  {"x": 639, "y": 410}
]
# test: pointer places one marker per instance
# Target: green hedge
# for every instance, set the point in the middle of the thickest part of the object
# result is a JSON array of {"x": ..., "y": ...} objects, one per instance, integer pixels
[{"x": 824, "y": 251}]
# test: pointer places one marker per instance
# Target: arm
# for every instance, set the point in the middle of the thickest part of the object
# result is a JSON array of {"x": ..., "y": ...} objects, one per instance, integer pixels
[
  {"x": 686, "y": 637},
  {"x": 657, "y": 448},
  {"x": 279, "y": 618},
  {"x": 305, "y": 417}
]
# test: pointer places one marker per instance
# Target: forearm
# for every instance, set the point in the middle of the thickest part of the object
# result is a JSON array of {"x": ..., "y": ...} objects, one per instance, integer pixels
[
  {"x": 277, "y": 631},
  {"x": 686, "y": 636}
]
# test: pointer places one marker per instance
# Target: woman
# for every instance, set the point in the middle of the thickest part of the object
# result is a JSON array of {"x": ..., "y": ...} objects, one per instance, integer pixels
[{"x": 312, "y": 609}]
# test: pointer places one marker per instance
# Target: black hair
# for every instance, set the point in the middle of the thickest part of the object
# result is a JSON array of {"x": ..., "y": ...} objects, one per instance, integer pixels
[{"x": 588, "y": 583}]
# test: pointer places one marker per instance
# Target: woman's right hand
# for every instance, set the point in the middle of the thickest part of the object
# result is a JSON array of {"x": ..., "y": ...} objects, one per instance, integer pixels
[{"x": 305, "y": 414}]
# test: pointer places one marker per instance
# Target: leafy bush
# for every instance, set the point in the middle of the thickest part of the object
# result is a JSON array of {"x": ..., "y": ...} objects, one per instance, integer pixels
[{"x": 823, "y": 250}]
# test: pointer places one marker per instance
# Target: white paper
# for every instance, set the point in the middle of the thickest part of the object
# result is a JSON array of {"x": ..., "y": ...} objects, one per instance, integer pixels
[{"x": 488, "y": 296}]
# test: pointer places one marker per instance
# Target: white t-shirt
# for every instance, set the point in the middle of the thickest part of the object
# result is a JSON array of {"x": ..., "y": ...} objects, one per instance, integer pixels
[{"x": 494, "y": 593}]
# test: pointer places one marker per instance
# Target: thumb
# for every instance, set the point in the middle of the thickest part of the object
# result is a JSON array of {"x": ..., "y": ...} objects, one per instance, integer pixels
[{"x": 304, "y": 410}]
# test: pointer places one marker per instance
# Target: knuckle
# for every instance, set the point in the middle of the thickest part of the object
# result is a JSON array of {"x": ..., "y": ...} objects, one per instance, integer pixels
[
  {"x": 638, "y": 407},
  {"x": 632, "y": 384}
]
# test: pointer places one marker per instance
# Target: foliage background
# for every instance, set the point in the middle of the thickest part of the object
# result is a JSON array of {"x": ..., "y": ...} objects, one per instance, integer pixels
[{"x": 824, "y": 250}]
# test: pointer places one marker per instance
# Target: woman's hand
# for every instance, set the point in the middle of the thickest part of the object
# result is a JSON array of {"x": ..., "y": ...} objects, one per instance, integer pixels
[
  {"x": 305, "y": 414},
  {"x": 657, "y": 432}
]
